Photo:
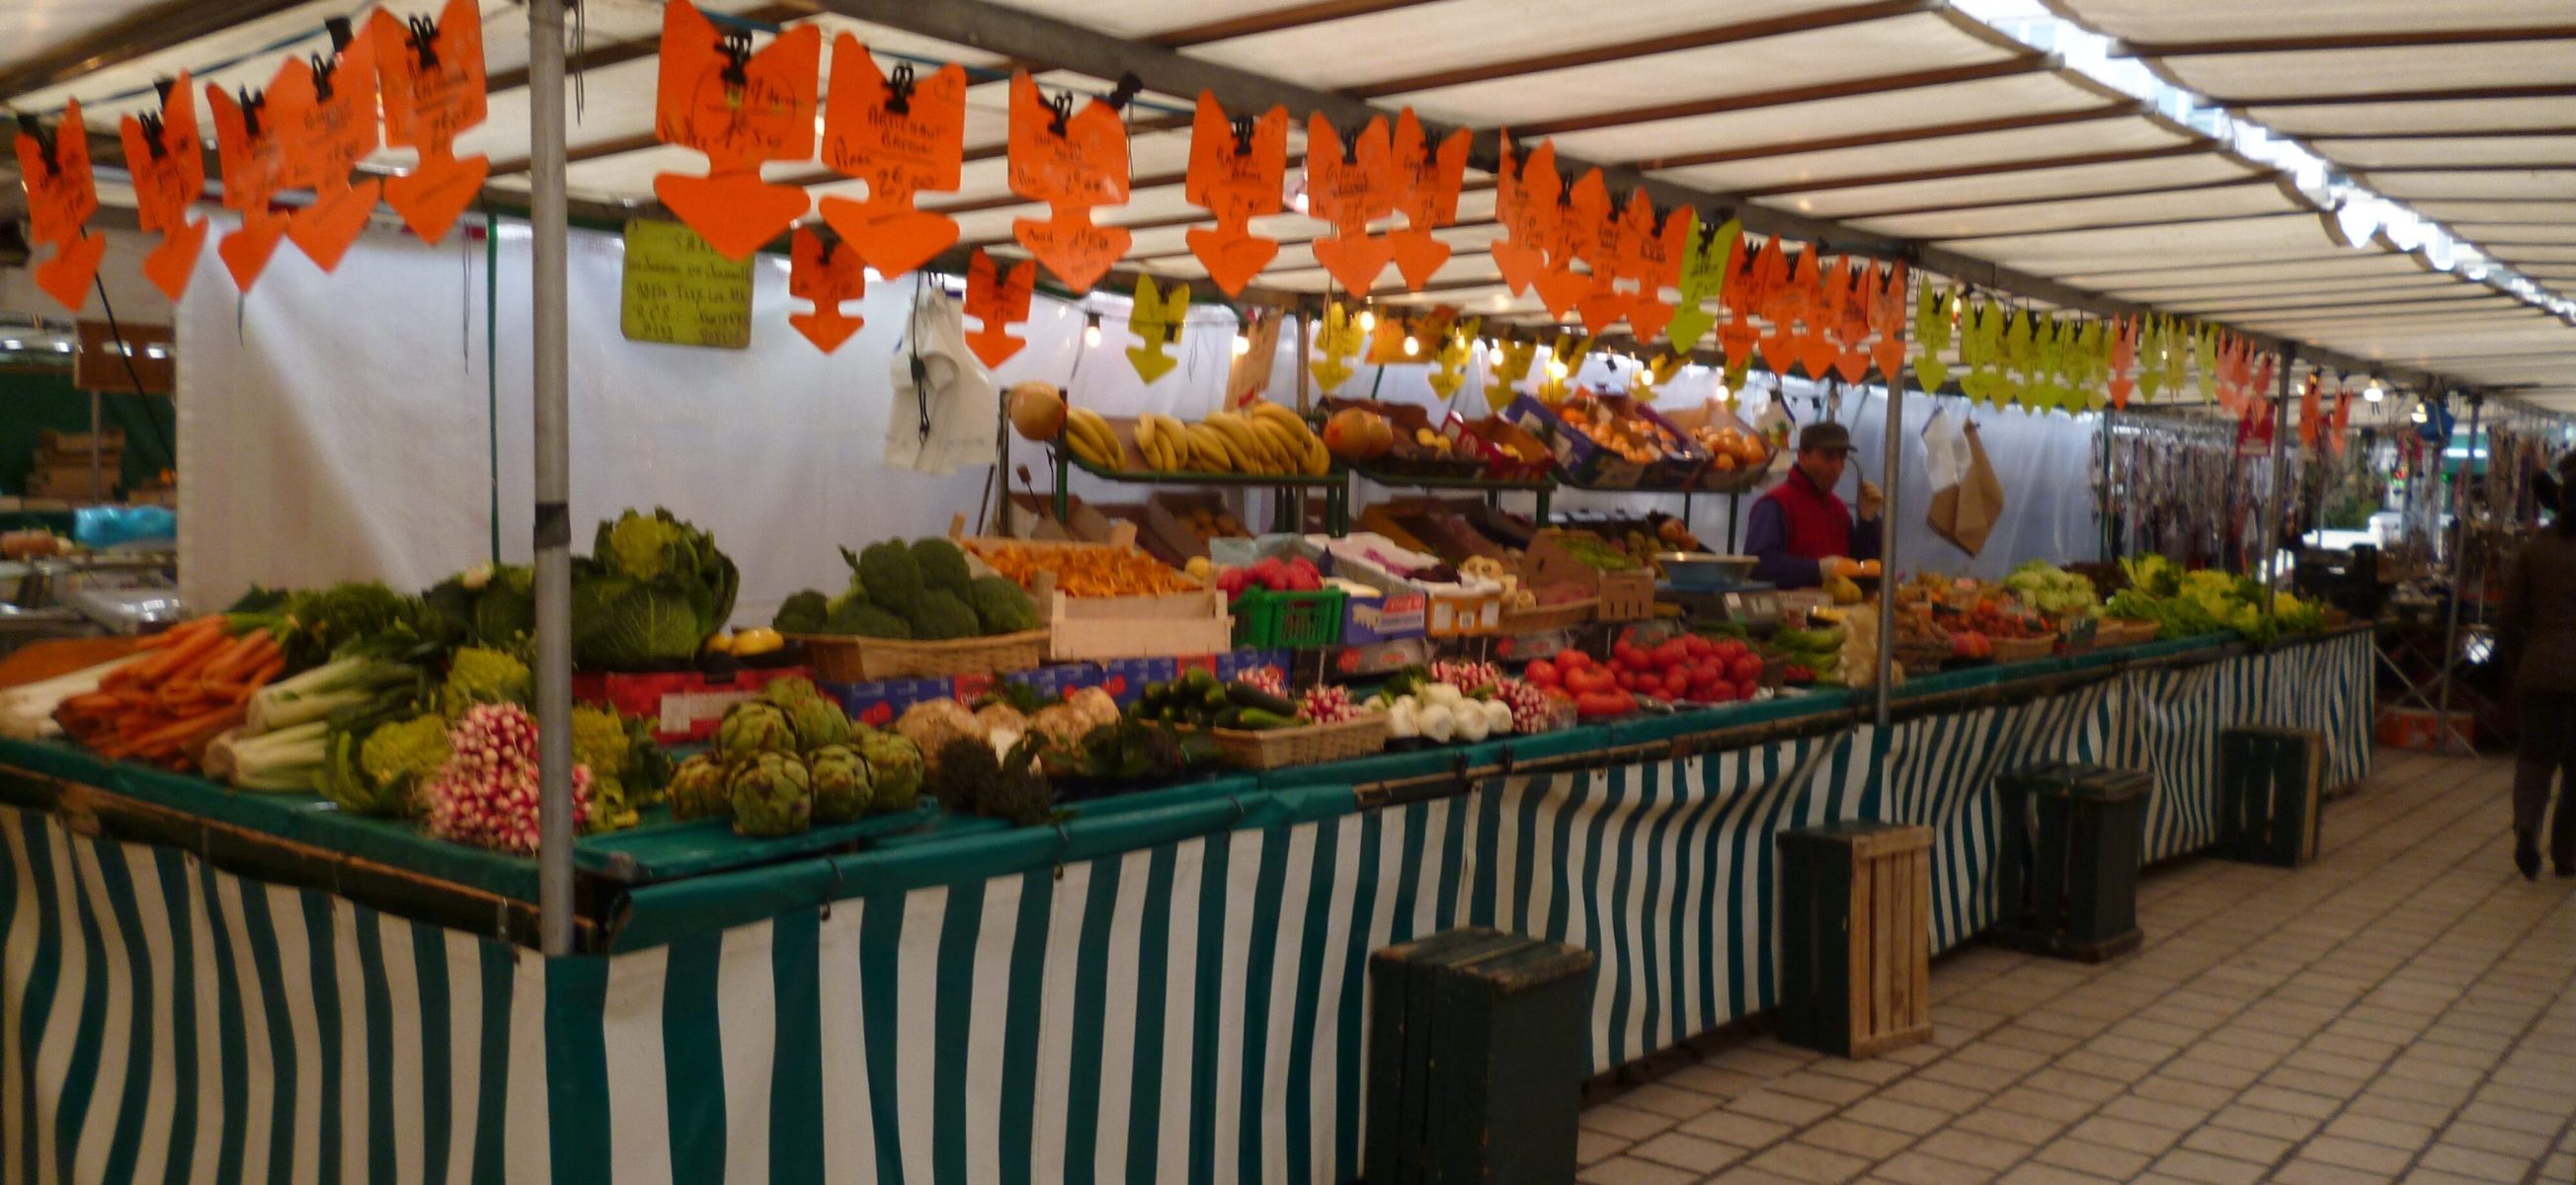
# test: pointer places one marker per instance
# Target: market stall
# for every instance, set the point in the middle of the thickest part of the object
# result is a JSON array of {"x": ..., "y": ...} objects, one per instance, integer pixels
[
  {"x": 1164, "y": 981},
  {"x": 999, "y": 751}
]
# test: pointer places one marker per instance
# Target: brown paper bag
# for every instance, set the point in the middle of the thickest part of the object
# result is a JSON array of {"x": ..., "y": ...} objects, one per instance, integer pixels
[{"x": 1967, "y": 512}]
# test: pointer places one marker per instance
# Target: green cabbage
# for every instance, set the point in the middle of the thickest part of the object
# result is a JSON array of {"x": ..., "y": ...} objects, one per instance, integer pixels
[{"x": 651, "y": 592}]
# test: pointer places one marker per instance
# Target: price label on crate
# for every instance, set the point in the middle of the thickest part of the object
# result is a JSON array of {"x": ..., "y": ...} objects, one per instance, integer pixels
[{"x": 682, "y": 292}]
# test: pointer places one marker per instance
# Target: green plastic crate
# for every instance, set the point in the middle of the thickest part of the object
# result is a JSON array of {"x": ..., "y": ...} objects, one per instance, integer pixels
[{"x": 1286, "y": 620}]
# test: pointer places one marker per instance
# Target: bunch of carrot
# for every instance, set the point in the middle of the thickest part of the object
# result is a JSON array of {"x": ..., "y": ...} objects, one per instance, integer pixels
[{"x": 194, "y": 682}]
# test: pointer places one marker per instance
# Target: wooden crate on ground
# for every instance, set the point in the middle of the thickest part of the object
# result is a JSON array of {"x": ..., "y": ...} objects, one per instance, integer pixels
[
  {"x": 2271, "y": 786},
  {"x": 1855, "y": 937}
]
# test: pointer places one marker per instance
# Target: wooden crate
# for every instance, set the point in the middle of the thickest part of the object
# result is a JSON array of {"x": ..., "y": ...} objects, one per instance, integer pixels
[
  {"x": 1180, "y": 623},
  {"x": 1855, "y": 937},
  {"x": 2271, "y": 787},
  {"x": 1475, "y": 1059}
]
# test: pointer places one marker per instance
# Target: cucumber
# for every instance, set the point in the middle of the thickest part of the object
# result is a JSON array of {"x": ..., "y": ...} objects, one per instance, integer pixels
[
  {"x": 1201, "y": 679},
  {"x": 1250, "y": 696},
  {"x": 1258, "y": 718},
  {"x": 1230, "y": 717}
]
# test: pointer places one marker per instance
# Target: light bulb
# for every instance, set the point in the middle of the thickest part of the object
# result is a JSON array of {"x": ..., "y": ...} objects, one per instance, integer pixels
[
  {"x": 1091, "y": 335},
  {"x": 1412, "y": 345},
  {"x": 1242, "y": 345},
  {"x": 2373, "y": 393},
  {"x": 2419, "y": 416},
  {"x": 1368, "y": 321}
]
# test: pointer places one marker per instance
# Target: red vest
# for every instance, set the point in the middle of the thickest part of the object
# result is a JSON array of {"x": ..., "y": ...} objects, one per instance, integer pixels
[{"x": 1819, "y": 524}]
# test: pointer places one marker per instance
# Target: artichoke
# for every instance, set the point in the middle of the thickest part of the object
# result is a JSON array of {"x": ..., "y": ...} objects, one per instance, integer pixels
[
  {"x": 841, "y": 783},
  {"x": 788, "y": 692},
  {"x": 753, "y": 727},
  {"x": 895, "y": 765},
  {"x": 698, "y": 789},
  {"x": 772, "y": 794},
  {"x": 818, "y": 722}
]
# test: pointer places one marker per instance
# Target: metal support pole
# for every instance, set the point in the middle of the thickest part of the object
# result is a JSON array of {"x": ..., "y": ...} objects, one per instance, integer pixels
[
  {"x": 97, "y": 446},
  {"x": 2280, "y": 468},
  {"x": 1890, "y": 465},
  {"x": 548, "y": 316},
  {"x": 2459, "y": 572}
]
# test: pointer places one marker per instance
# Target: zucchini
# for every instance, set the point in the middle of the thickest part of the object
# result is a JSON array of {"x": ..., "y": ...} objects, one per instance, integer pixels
[
  {"x": 1249, "y": 696},
  {"x": 1258, "y": 718},
  {"x": 1229, "y": 717}
]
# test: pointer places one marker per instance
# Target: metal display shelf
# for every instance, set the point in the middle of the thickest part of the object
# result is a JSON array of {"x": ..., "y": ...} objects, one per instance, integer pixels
[
  {"x": 1336, "y": 486},
  {"x": 1544, "y": 487}
]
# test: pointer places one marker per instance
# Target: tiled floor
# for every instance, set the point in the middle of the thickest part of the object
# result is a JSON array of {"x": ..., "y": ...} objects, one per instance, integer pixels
[{"x": 2404, "y": 1009}]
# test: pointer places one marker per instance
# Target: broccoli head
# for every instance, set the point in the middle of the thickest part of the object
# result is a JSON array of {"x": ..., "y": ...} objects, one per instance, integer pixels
[
  {"x": 478, "y": 675},
  {"x": 802, "y": 613},
  {"x": 867, "y": 621},
  {"x": 940, "y": 616},
  {"x": 1002, "y": 607},
  {"x": 942, "y": 565},
  {"x": 892, "y": 577}
]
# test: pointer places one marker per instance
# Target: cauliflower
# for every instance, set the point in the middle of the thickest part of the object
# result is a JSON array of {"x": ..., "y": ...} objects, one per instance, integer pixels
[
  {"x": 1096, "y": 706},
  {"x": 931, "y": 724},
  {"x": 478, "y": 675}
]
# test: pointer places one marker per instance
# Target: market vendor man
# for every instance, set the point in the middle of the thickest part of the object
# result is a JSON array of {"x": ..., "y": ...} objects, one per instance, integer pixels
[{"x": 1801, "y": 534}]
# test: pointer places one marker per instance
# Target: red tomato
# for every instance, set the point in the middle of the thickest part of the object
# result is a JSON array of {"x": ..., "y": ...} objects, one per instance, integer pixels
[
  {"x": 1745, "y": 689},
  {"x": 1708, "y": 691},
  {"x": 1572, "y": 660},
  {"x": 1697, "y": 645},
  {"x": 1627, "y": 680},
  {"x": 1744, "y": 668},
  {"x": 1595, "y": 705},
  {"x": 1672, "y": 653},
  {"x": 1675, "y": 682},
  {"x": 1541, "y": 674},
  {"x": 1624, "y": 651}
]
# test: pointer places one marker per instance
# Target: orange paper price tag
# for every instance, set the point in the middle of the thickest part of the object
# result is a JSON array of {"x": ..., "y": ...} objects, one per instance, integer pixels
[
  {"x": 1427, "y": 181},
  {"x": 1236, "y": 167},
  {"x": 902, "y": 135},
  {"x": 1000, "y": 300},
  {"x": 740, "y": 108},
  {"x": 825, "y": 272},
  {"x": 430, "y": 75},
  {"x": 161, "y": 151},
  {"x": 1525, "y": 204},
  {"x": 325, "y": 113},
  {"x": 1073, "y": 161},
  {"x": 1349, "y": 188},
  {"x": 62, "y": 193}
]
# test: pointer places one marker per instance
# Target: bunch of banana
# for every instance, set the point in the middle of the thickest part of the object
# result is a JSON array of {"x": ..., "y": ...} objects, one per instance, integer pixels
[
  {"x": 1166, "y": 443},
  {"x": 1090, "y": 439},
  {"x": 1264, "y": 440}
]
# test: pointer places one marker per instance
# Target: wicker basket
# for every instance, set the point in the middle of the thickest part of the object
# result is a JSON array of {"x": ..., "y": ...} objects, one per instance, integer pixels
[
  {"x": 2113, "y": 631},
  {"x": 1278, "y": 748},
  {"x": 2023, "y": 649},
  {"x": 1542, "y": 618},
  {"x": 843, "y": 658}
]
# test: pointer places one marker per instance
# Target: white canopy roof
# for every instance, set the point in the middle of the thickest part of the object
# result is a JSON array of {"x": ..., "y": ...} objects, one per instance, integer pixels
[{"x": 1890, "y": 119}]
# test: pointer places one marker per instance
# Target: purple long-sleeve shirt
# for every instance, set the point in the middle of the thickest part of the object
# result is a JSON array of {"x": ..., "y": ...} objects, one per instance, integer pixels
[{"x": 1766, "y": 538}]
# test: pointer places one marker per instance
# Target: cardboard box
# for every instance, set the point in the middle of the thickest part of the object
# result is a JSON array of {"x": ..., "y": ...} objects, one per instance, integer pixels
[
  {"x": 1033, "y": 517},
  {"x": 1624, "y": 596},
  {"x": 1171, "y": 527},
  {"x": 1581, "y": 462}
]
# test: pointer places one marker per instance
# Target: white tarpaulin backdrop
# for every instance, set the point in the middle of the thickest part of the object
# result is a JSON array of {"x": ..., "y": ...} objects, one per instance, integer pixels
[
  {"x": 341, "y": 430},
  {"x": 338, "y": 427}
]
